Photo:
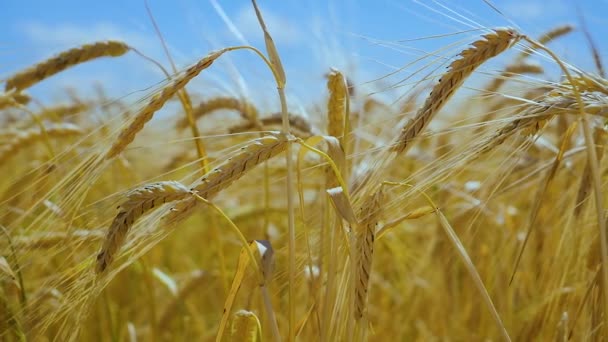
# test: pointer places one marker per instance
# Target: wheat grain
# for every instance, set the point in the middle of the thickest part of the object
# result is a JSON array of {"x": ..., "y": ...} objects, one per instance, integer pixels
[
  {"x": 139, "y": 202},
  {"x": 249, "y": 156},
  {"x": 64, "y": 60},
  {"x": 365, "y": 234},
  {"x": 157, "y": 101},
  {"x": 244, "y": 108},
  {"x": 489, "y": 46}
]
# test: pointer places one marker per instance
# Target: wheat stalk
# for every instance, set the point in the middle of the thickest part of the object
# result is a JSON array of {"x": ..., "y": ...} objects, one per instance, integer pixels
[
  {"x": 64, "y": 60},
  {"x": 139, "y": 202},
  {"x": 489, "y": 46}
]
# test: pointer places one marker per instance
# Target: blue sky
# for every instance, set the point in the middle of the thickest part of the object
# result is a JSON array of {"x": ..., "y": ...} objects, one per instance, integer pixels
[{"x": 359, "y": 37}]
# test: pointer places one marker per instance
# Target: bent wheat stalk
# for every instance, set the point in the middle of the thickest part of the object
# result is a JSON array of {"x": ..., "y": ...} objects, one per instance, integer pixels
[
  {"x": 139, "y": 202},
  {"x": 489, "y": 46}
]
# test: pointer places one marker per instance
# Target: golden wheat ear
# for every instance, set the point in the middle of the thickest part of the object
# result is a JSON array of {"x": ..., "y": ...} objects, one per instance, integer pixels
[
  {"x": 139, "y": 202},
  {"x": 299, "y": 125},
  {"x": 249, "y": 156},
  {"x": 63, "y": 61},
  {"x": 490, "y": 45},
  {"x": 24, "y": 138},
  {"x": 157, "y": 101},
  {"x": 366, "y": 229}
]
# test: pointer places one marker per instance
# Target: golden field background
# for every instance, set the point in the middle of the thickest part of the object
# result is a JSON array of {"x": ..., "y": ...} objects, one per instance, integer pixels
[{"x": 452, "y": 202}]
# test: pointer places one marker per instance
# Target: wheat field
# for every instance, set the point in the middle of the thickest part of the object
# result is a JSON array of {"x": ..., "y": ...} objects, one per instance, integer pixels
[{"x": 457, "y": 196}]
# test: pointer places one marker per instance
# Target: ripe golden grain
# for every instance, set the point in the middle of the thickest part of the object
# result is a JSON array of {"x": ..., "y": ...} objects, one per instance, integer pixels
[
  {"x": 139, "y": 202},
  {"x": 157, "y": 101},
  {"x": 365, "y": 231},
  {"x": 489, "y": 46},
  {"x": 64, "y": 60},
  {"x": 336, "y": 105},
  {"x": 249, "y": 156}
]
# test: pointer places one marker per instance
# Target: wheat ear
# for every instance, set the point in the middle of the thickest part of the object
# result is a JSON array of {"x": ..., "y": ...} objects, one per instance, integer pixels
[
  {"x": 365, "y": 231},
  {"x": 246, "y": 110},
  {"x": 245, "y": 326},
  {"x": 299, "y": 124},
  {"x": 336, "y": 106},
  {"x": 139, "y": 202},
  {"x": 510, "y": 71},
  {"x": 62, "y": 111},
  {"x": 545, "y": 38},
  {"x": 64, "y": 60},
  {"x": 157, "y": 102},
  {"x": 24, "y": 138},
  {"x": 489, "y": 46},
  {"x": 254, "y": 153},
  {"x": 13, "y": 99}
]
